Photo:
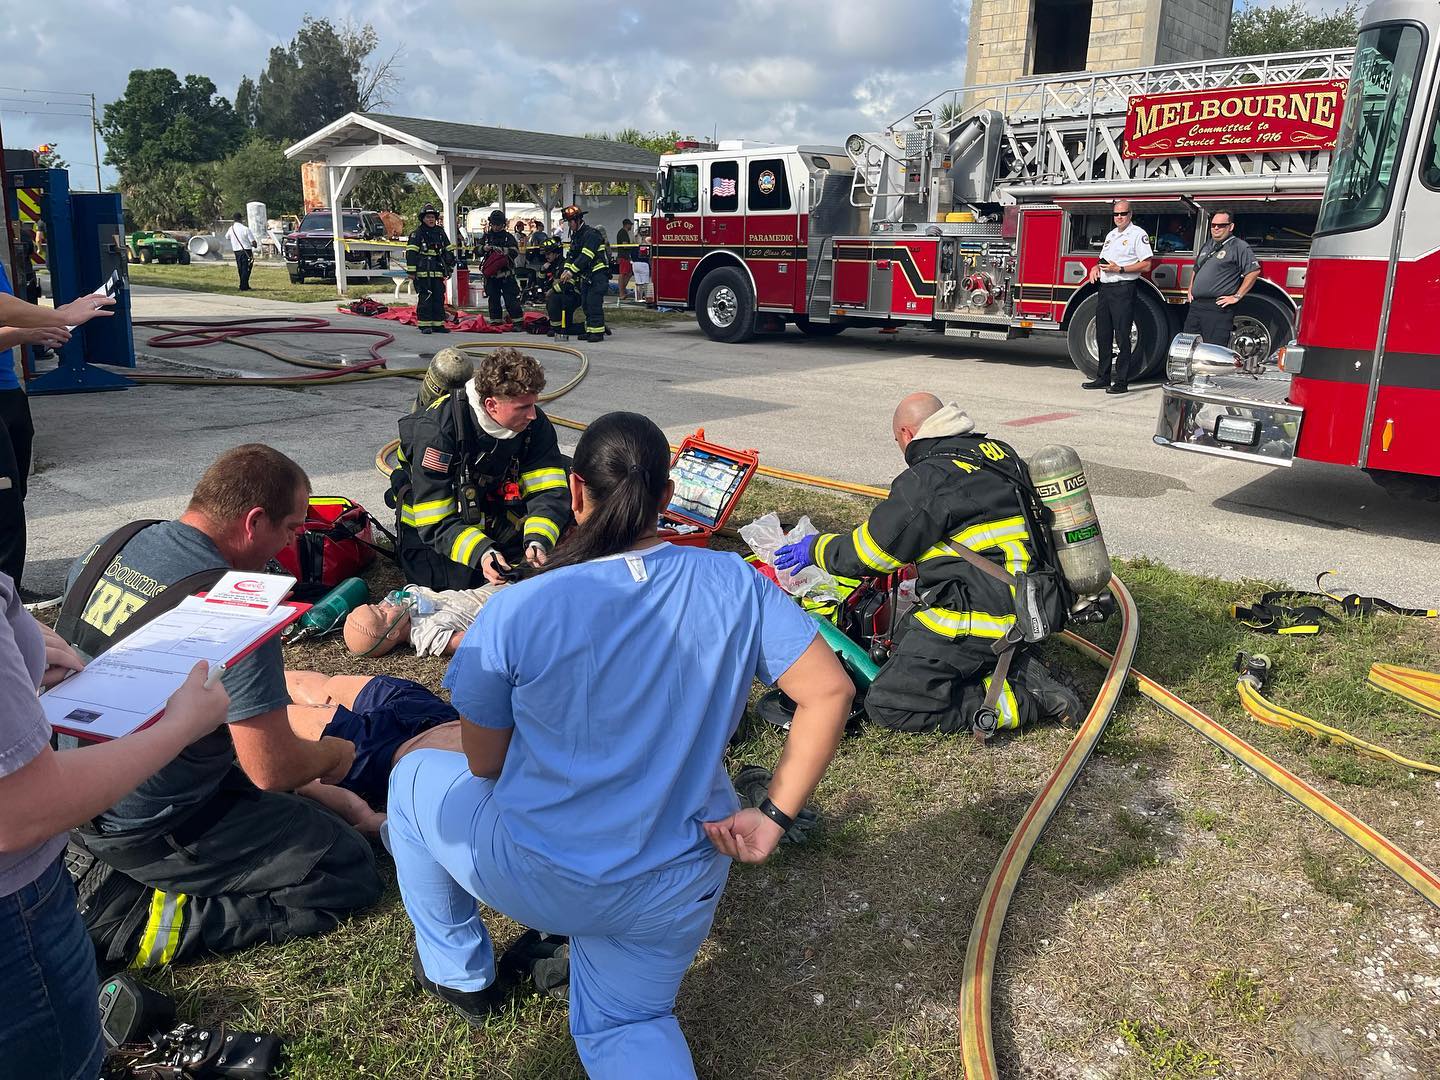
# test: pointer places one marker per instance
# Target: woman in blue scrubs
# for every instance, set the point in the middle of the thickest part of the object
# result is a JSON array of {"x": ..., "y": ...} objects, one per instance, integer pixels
[{"x": 591, "y": 800}]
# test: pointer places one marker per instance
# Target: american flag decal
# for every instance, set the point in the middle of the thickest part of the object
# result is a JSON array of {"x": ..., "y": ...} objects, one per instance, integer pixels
[
  {"x": 722, "y": 187},
  {"x": 435, "y": 460}
]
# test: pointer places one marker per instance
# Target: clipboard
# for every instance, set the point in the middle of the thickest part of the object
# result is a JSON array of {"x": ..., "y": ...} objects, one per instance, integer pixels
[{"x": 125, "y": 688}]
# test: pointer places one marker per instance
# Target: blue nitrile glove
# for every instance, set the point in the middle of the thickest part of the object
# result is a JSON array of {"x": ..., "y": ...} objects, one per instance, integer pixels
[{"x": 795, "y": 557}]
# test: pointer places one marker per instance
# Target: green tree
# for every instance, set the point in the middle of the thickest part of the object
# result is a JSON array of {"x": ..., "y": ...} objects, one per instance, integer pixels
[
  {"x": 1291, "y": 27},
  {"x": 181, "y": 196},
  {"x": 321, "y": 75},
  {"x": 259, "y": 171},
  {"x": 160, "y": 120}
]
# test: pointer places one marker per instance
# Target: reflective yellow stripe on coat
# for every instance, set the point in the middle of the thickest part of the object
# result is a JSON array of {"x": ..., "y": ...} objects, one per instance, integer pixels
[
  {"x": 538, "y": 480},
  {"x": 465, "y": 543},
  {"x": 956, "y": 624},
  {"x": 427, "y": 513}
]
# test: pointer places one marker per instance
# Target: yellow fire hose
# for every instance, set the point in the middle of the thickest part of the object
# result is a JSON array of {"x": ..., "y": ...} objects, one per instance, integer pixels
[
  {"x": 976, "y": 1042},
  {"x": 1419, "y": 688}
]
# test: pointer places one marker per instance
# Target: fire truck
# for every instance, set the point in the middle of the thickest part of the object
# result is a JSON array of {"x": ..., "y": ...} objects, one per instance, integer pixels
[
  {"x": 981, "y": 213},
  {"x": 1360, "y": 385}
]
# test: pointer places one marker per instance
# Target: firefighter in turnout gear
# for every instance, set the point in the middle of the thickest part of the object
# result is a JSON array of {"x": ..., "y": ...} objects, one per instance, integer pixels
[
  {"x": 430, "y": 259},
  {"x": 939, "y": 671},
  {"x": 588, "y": 268},
  {"x": 482, "y": 482},
  {"x": 498, "y": 252},
  {"x": 562, "y": 299}
]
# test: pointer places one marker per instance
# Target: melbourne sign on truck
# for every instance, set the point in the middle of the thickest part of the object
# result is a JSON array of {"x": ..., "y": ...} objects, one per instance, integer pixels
[{"x": 1288, "y": 116}]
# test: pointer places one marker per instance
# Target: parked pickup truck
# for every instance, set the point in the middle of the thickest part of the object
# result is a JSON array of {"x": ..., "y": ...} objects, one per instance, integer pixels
[{"x": 310, "y": 249}]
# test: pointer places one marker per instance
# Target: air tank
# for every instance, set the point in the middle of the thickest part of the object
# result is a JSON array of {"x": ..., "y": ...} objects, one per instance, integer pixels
[
  {"x": 1059, "y": 479},
  {"x": 449, "y": 370}
]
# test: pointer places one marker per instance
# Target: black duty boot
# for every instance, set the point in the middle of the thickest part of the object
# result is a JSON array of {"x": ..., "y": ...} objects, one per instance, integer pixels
[
  {"x": 542, "y": 958},
  {"x": 474, "y": 1006},
  {"x": 1059, "y": 697}
]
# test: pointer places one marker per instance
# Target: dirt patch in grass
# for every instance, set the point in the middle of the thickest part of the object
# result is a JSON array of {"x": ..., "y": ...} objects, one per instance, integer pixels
[{"x": 1180, "y": 919}]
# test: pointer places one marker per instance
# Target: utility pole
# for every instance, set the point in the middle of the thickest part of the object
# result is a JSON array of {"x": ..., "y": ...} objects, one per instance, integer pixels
[{"x": 95, "y": 140}]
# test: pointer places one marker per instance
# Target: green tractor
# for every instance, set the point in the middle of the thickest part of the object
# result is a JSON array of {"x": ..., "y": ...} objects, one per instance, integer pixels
[{"x": 155, "y": 247}]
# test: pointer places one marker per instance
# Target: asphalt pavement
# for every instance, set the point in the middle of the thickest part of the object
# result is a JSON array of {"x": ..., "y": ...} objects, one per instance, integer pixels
[{"x": 819, "y": 406}]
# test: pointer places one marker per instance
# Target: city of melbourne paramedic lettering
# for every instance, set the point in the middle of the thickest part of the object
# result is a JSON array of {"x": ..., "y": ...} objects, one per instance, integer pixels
[
  {"x": 597, "y": 699},
  {"x": 939, "y": 670},
  {"x": 481, "y": 483},
  {"x": 213, "y": 852}
]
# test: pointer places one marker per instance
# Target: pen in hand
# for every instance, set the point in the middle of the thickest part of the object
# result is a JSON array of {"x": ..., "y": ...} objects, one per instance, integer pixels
[{"x": 216, "y": 672}]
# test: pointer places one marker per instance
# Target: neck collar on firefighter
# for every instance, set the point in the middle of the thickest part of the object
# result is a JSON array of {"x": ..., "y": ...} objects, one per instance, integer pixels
[{"x": 484, "y": 419}]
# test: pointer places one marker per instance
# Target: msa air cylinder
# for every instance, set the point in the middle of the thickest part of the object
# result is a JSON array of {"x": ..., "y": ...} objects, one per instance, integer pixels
[
  {"x": 1059, "y": 480},
  {"x": 449, "y": 370}
]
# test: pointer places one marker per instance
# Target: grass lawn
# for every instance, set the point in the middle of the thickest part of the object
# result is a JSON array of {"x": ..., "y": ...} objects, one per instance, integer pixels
[
  {"x": 1180, "y": 918},
  {"x": 273, "y": 283}
]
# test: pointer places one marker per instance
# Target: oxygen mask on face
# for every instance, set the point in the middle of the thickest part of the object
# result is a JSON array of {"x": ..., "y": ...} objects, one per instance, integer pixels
[{"x": 375, "y": 629}]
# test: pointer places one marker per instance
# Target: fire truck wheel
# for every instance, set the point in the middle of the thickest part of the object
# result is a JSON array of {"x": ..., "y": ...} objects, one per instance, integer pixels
[
  {"x": 1262, "y": 325},
  {"x": 726, "y": 306},
  {"x": 1149, "y": 339},
  {"x": 818, "y": 329}
]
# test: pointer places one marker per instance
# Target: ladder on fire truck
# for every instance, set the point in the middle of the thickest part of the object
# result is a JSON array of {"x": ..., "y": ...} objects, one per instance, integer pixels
[{"x": 1050, "y": 130}]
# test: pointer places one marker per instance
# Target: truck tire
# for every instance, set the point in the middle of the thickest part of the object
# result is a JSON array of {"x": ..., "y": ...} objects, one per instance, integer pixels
[
  {"x": 1149, "y": 343},
  {"x": 184, "y": 258},
  {"x": 818, "y": 329},
  {"x": 296, "y": 277},
  {"x": 1262, "y": 325},
  {"x": 147, "y": 256},
  {"x": 725, "y": 306}
]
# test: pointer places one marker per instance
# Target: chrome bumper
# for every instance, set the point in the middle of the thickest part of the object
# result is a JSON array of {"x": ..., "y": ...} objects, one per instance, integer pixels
[{"x": 1233, "y": 416}]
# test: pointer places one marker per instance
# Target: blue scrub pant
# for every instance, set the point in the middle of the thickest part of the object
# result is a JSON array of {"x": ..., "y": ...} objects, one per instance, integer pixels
[{"x": 630, "y": 943}]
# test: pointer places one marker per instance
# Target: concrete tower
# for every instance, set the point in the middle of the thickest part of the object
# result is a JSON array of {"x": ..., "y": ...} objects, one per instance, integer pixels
[{"x": 1010, "y": 39}]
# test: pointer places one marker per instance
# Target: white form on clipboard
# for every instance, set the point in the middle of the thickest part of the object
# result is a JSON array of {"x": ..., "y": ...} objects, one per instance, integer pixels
[{"x": 126, "y": 687}]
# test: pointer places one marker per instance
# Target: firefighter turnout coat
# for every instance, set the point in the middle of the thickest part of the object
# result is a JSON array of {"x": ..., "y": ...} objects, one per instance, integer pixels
[
  {"x": 942, "y": 500},
  {"x": 469, "y": 492},
  {"x": 587, "y": 254},
  {"x": 429, "y": 253}
]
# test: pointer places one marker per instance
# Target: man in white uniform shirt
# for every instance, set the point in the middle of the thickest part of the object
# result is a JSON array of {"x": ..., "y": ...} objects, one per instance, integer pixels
[
  {"x": 242, "y": 245},
  {"x": 1124, "y": 256}
]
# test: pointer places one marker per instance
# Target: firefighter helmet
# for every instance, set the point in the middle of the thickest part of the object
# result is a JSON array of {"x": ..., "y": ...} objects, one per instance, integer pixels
[
  {"x": 497, "y": 217},
  {"x": 429, "y": 209},
  {"x": 550, "y": 244},
  {"x": 572, "y": 213}
]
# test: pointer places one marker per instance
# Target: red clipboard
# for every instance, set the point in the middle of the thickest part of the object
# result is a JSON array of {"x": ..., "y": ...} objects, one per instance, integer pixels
[{"x": 78, "y": 729}]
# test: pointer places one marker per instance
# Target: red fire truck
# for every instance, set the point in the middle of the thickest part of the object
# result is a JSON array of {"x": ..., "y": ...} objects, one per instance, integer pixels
[
  {"x": 981, "y": 213},
  {"x": 1361, "y": 384}
]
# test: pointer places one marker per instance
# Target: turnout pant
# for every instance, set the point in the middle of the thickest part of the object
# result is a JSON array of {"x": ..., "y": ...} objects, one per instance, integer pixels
[
  {"x": 249, "y": 868},
  {"x": 423, "y": 565},
  {"x": 630, "y": 942},
  {"x": 1212, "y": 322},
  {"x": 933, "y": 683},
  {"x": 17, "y": 434},
  {"x": 1114, "y": 318},
  {"x": 430, "y": 301},
  {"x": 560, "y": 308},
  {"x": 503, "y": 290},
  {"x": 244, "y": 261},
  {"x": 592, "y": 295}
]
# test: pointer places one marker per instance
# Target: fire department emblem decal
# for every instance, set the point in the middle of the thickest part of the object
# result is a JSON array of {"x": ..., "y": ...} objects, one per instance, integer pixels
[{"x": 766, "y": 182}]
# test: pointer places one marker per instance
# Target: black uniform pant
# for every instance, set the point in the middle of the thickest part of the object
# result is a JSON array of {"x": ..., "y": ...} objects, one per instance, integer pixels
[
  {"x": 560, "y": 308},
  {"x": 500, "y": 290},
  {"x": 1213, "y": 323},
  {"x": 1114, "y": 318},
  {"x": 430, "y": 301},
  {"x": 592, "y": 295},
  {"x": 244, "y": 262},
  {"x": 249, "y": 868},
  {"x": 17, "y": 433},
  {"x": 423, "y": 565},
  {"x": 934, "y": 683}
]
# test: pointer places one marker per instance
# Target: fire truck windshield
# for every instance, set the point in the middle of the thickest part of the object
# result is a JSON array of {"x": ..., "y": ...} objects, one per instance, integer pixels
[{"x": 1362, "y": 175}]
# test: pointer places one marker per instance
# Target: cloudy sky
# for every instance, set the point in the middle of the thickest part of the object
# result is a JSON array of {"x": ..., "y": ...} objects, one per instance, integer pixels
[{"x": 811, "y": 71}]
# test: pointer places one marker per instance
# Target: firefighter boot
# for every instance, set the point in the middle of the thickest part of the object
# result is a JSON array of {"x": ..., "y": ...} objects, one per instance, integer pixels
[{"x": 1054, "y": 691}]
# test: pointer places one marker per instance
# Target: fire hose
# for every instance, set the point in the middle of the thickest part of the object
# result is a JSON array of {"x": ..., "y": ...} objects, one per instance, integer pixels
[{"x": 976, "y": 1039}]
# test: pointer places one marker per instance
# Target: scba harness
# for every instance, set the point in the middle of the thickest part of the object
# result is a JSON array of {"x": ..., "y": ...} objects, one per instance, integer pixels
[{"x": 1271, "y": 615}]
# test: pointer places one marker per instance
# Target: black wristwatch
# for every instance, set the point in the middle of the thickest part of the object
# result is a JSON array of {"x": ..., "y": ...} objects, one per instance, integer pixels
[{"x": 775, "y": 814}]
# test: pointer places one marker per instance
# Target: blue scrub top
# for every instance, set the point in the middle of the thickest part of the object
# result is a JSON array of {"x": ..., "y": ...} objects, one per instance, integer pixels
[
  {"x": 623, "y": 680},
  {"x": 9, "y": 378}
]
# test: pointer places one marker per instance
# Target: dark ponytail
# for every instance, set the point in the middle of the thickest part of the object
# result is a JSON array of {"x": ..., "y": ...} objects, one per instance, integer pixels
[{"x": 624, "y": 461}]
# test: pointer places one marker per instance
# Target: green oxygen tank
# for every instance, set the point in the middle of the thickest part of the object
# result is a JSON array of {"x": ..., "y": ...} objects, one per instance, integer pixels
[
  {"x": 1059, "y": 480},
  {"x": 856, "y": 660},
  {"x": 330, "y": 610}
]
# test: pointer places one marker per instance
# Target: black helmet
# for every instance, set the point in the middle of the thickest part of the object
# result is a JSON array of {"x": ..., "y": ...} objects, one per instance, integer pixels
[
  {"x": 497, "y": 217},
  {"x": 550, "y": 244},
  {"x": 429, "y": 209}
]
